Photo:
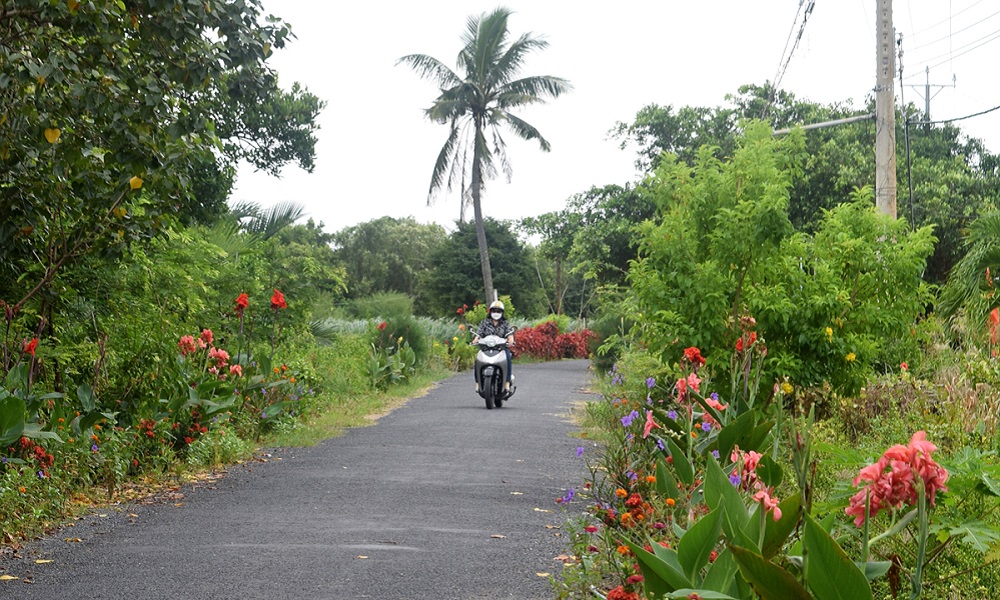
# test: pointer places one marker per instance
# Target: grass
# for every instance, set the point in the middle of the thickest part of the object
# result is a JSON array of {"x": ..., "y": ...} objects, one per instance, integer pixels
[{"x": 338, "y": 412}]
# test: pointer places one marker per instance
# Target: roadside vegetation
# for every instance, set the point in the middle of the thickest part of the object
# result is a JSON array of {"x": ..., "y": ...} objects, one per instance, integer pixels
[{"x": 800, "y": 396}]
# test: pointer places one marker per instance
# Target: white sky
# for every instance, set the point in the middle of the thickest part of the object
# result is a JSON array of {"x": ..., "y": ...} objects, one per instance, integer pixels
[{"x": 376, "y": 149}]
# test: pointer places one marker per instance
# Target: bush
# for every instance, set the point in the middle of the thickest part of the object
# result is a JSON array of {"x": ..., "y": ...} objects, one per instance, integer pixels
[
  {"x": 385, "y": 305},
  {"x": 546, "y": 343}
]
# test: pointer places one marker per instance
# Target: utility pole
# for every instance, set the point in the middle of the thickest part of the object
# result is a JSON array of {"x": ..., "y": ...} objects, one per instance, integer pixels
[
  {"x": 927, "y": 91},
  {"x": 885, "y": 112}
]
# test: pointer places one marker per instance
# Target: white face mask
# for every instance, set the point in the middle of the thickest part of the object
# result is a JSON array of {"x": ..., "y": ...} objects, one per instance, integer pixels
[{"x": 496, "y": 315}]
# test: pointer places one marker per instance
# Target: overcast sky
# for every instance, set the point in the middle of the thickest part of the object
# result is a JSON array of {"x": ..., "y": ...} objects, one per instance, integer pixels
[{"x": 376, "y": 149}]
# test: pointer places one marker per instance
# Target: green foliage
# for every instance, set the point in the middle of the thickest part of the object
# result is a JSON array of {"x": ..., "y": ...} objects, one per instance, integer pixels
[
  {"x": 954, "y": 179},
  {"x": 454, "y": 275},
  {"x": 386, "y": 255},
  {"x": 830, "y": 307},
  {"x": 381, "y": 305},
  {"x": 112, "y": 110}
]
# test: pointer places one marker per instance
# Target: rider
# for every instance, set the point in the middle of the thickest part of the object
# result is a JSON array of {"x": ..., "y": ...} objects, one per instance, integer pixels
[{"x": 498, "y": 325}]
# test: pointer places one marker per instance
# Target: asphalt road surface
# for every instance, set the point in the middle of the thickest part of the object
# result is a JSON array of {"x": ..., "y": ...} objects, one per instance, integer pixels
[{"x": 441, "y": 499}]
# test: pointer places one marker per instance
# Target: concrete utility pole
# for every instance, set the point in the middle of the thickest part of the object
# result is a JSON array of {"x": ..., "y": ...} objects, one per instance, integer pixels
[{"x": 885, "y": 112}]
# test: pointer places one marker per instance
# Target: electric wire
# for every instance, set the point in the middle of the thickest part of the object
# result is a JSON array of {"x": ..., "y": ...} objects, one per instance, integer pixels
[
  {"x": 948, "y": 20},
  {"x": 810, "y": 4},
  {"x": 978, "y": 114},
  {"x": 951, "y": 34}
]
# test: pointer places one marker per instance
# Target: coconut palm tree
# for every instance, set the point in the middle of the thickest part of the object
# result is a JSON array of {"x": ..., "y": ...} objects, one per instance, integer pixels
[{"x": 475, "y": 104}]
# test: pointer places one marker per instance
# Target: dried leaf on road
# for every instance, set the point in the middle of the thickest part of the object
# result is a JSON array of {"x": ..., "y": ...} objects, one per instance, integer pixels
[
  {"x": 72, "y": 540},
  {"x": 542, "y": 510},
  {"x": 498, "y": 536},
  {"x": 543, "y": 574},
  {"x": 42, "y": 561},
  {"x": 8, "y": 578},
  {"x": 361, "y": 556}
]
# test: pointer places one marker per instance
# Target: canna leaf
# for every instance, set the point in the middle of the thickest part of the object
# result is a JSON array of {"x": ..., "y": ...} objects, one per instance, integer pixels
[
  {"x": 685, "y": 472},
  {"x": 770, "y": 581},
  {"x": 695, "y": 548},
  {"x": 830, "y": 573}
]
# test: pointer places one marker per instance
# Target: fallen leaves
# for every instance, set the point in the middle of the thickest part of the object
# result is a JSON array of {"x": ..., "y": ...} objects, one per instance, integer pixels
[
  {"x": 43, "y": 561},
  {"x": 8, "y": 578},
  {"x": 543, "y": 574},
  {"x": 361, "y": 557},
  {"x": 498, "y": 536},
  {"x": 542, "y": 510},
  {"x": 72, "y": 540}
]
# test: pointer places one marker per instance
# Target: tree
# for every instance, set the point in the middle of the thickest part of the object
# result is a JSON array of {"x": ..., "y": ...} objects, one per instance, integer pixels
[
  {"x": 113, "y": 114},
  {"x": 386, "y": 255},
  {"x": 830, "y": 307},
  {"x": 476, "y": 104},
  {"x": 451, "y": 279},
  {"x": 954, "y": 178}
]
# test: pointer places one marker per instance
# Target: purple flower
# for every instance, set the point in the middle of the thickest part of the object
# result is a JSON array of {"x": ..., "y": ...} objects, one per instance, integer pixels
[
  {"x": 706, "y": 427},
  {"x": 616, "y": 380},
  {"x": 734, "y": 479},
  {"x": 649, "y": 401},
  {"x": 650, "y": 383},
  {"x": 93, "y": 448},
  {"x": 627, "y": 419},
  {"x": 41, "y": 474},
  {"x": 579, "y": 451},
  {"x": 672, "y": 414},
  {"x": 568, "y": 497},
  {"x": 715, "y": 453},
  {"x": 714, "y": 396},
  {"x": 659, "y": 444}
]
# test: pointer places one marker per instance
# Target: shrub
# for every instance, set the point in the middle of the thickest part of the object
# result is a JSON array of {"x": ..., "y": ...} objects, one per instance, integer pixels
[{"x": 385, "y": 305}]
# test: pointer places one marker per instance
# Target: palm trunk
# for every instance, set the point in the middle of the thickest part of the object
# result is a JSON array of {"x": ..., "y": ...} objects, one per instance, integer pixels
[{"x": 477, "y": 184}]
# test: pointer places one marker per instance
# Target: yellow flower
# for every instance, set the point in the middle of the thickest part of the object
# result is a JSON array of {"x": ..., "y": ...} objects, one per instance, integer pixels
[
  {"x": 400, "y": 340},
  {"x": 786, "y": 388},
  {"x": 135, "y": 183},
  {"x": 850, "y": 357},
  {"x": 829, "y": 332},
  {"x": 454, "y": 339}
]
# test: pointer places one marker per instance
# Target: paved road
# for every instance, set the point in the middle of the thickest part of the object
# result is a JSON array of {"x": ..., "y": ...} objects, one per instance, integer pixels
[{"x": 441, "y": 499}]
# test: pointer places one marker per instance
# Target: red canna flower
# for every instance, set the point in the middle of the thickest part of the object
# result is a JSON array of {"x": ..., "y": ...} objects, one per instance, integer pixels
[
  {"x": 278, "y": 300},
  {"x": 29, "y": 346},
  {"x": 207, "y": 336},
  {"x": 693, "y": 356},
  {"x": 382, "y": 326},
  {"x": 242, "y": 302}
]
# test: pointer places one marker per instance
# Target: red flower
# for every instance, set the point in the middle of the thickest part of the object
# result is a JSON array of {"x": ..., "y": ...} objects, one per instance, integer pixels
[
  {"x": 242, "y": 302},
  {"x": 29, "y": 347},
  {"x": 206, "y": 336},
  {"x": 278, "y": 300},
  {"x": 381, "y": 326},
  {"x": 460, "y": 311},
  {"x": 693, "y": 356}
]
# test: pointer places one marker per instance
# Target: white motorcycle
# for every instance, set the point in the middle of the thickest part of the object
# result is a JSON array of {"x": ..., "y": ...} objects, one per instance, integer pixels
[{"x": 491, "y": 368}]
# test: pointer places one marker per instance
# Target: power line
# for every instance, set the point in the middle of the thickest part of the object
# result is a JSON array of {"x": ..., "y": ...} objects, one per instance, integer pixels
[
  {"x": 810, "y": 4},
  {"x": 978, "y": 114},
  {"x": 948, "y": 20},
  {"x": 950, "y": 56},
  {"x": 952, "y": 33}
]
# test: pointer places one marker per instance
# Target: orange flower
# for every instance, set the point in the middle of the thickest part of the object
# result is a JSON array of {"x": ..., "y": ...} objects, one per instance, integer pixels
[
  {"x": 650, "y": 478},
  {"x": 623, "y": 550},
  {"x": 621, "y": 493},
  {"x": 671, "y": 502},
  {"x": 278, "y": 300}
]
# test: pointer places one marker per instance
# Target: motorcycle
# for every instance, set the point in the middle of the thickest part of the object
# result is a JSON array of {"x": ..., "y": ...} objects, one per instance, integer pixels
[{"x": 491, "y": 366}]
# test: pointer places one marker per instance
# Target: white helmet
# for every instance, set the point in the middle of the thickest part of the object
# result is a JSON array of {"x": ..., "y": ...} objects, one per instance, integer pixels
[{"x": 497, "y": 304}]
